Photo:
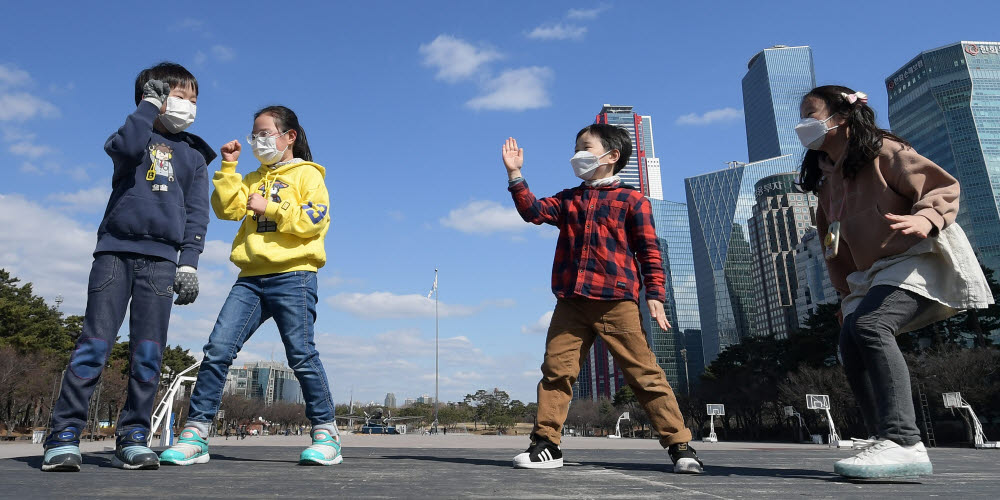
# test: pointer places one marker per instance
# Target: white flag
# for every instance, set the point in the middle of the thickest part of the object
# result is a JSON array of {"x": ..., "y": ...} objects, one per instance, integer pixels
[{"x": 434, "y": 287}]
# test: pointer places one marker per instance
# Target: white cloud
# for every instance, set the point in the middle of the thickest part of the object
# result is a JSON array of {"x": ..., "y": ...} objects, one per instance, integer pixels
[
  {"x": 216, "y": 252},
  {"x": 200, "y": 58},
  {"x": 13, "y": 77},
  {"x": 223, "y": 53},
  {"x": 52, "y": 167},
  {"x": 189, "y": 24},
  {"x": 46, "y": 248},
  {"x": 30, "y": 149},
  {"x": 85, "y": 200},
  {"x": 456, "y": 59},
  {"x": 20, "y": 106},
  {"x": 558, "y": 32},
  {"x": 484, "y": 217},
  {"x": 586, "y": 13},
  {"x": 723, "y": 115},
  {"x": 515, "y": 90},
  {"x": 539, "y": 327},
  {"x": 380, "y": 305}
]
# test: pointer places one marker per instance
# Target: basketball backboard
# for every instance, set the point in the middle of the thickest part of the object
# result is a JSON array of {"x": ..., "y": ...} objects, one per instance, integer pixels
[
  {"x": 952, "y": 399},
  {"x": 817, "y": 401},
  {"x": 715, "y": 409},
  {"x": 789, "y": 411}
]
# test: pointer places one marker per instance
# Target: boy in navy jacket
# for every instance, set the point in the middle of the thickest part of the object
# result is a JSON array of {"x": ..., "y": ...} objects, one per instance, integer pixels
[{"x": 148, "y": 246}]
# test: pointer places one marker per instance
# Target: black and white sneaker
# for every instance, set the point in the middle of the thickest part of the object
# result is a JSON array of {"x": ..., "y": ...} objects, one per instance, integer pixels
[
  {"x": 542, "y": 454},
  {"x": 685, "y": 459}
]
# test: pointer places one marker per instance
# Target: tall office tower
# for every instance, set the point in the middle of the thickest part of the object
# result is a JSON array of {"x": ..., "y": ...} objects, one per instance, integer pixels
[
  {"x": 773, "y": 87},
  {"x": 946, "y": 103},
  {"x": 814, "y": 286},
  {"x": 652, "y": 162},
  {"x": 719, "y": 205},
  {"x": 681, "y": 306},
  {"x": 390, "y": 401},
  {"x": 781, "y": 217},
  {"x": 634, "y": 173}
]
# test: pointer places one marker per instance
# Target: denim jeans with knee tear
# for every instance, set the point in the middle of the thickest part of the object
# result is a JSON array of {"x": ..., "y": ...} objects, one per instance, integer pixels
[
  {"x": 290, "y": 298},
  {"x": 874, "y": 365},
  {"x": 119, "y": 282}
]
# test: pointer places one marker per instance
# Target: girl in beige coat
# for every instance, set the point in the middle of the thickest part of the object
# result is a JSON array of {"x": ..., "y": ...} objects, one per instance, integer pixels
[{"x": 886, "y": 218}]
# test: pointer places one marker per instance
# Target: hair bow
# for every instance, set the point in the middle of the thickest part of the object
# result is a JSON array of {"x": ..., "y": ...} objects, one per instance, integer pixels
[{"x": 855, "y": 97}]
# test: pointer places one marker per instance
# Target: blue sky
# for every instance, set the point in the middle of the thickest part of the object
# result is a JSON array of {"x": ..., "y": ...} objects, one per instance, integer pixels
[{"x": 407, "y": 105}]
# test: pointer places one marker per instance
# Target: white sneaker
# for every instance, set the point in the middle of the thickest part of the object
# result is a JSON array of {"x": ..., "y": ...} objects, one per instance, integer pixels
[{"x": 886, "y": 459}]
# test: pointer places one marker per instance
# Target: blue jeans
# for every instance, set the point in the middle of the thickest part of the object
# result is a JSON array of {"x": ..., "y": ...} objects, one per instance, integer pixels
[
  {"x": 115, "y": 279},
  {"x": 290, "y": 298}
]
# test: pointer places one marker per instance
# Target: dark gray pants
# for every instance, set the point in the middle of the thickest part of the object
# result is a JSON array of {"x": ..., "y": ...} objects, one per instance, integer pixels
[{"x": 874, "y": 365}]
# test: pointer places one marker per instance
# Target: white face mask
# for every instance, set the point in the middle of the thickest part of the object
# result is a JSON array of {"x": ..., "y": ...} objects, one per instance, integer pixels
[
  {"x": 179, "y": 114},
  {"x": 812, "y": 132},
  {"x": 266, "y": 149},
  {"x": 585, "y": 164}
]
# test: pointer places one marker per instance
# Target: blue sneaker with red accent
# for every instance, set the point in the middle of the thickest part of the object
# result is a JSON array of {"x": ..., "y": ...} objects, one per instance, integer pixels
[{"x": 62, "y": 451}]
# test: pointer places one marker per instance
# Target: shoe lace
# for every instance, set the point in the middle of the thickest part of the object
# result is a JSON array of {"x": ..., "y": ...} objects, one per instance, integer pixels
[
  {"x": 874, "y": 448},
  {"x": 861, "y": 444}
]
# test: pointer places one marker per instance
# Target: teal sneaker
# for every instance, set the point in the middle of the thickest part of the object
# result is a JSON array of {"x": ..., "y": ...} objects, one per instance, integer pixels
[
  {"x": 190, "y": 449},
  {"x": 62, "y": 451},
  {"x": 325, "y": 450}
]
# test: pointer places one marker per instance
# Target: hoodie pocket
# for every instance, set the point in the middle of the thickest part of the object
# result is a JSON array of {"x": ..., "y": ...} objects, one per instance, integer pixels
[{"x": 141, "y": 217}]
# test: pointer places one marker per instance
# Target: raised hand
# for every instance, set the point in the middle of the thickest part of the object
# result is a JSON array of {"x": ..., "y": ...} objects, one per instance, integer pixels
[
  {"x": 155, "y": 90},
  {"x": 231, "y": 151},
  {"x": 513, "y": 158},
  {"x": 910, "y": 224}
]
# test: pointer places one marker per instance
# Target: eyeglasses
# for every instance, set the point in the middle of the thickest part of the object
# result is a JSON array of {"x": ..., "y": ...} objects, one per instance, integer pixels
[{"x": 263, "y": 134}]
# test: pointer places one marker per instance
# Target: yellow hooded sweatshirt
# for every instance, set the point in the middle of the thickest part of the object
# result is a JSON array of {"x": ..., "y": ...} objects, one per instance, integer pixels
[{"x": 289, "y": 236}]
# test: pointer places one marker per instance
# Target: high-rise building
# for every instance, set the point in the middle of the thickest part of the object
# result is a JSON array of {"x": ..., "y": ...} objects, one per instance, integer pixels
[
  {"x": 946, "y": 103},
  {"x": 634, "y": 173},
  {"x": 674, "y": 234},
  {"x": 269, "y": 381},
  {"x": 814, "y": 286},
  {"x": 719, "y": 205},
  {"x": 652, "y": 162},
  {"x": 390, "y": 401},
  {"x": 773, "y": 87},
  {"x": 780, "y": 218}
]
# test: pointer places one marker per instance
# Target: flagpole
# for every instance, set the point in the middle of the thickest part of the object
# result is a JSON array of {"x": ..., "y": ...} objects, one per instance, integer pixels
[{"x": 435, "y": 350}]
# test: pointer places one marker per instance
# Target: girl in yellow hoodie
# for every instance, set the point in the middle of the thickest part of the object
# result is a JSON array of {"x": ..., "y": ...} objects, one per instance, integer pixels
[{"x": 284, "y": 206}]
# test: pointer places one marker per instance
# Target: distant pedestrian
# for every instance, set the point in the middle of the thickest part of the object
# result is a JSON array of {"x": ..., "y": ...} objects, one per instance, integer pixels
[{"x": 894, "y": 253}]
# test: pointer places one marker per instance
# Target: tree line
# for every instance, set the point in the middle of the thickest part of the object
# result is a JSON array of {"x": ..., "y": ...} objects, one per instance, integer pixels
[{"x": 36, "y": 341}]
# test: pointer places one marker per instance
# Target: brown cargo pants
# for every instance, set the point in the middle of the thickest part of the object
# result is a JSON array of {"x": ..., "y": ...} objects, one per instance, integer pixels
[{"x": 575, "y": 323}]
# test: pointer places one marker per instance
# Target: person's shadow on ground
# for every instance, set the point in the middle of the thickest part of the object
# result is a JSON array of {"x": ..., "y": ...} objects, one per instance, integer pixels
[{"x": 100, "y": 459}]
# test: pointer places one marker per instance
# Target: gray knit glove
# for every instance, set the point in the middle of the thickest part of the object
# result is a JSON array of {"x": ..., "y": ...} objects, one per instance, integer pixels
[
  {"x": 155, "y": 92},
  {"x": 186, "y": 285}
]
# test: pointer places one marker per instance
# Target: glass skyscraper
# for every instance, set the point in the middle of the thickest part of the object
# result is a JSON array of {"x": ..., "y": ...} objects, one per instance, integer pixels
[
  {"x": 946, "y": 103},
  {"x": 814, "y": 281},
  {"x": 719, "y": 205},
  {"x": 773, "y": 87},
  {"x": 674, "y": 235},
  {"x": 781, "y": 217}
]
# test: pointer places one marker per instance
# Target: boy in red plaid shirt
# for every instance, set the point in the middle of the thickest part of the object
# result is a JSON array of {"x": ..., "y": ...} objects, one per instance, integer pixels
[{"x": 605, "y": 227}]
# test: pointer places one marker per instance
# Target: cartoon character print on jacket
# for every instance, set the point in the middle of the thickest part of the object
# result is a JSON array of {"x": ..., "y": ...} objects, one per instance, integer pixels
[
  {"x": 161, "y": 170},
  {"x": 265, "y": 225}
]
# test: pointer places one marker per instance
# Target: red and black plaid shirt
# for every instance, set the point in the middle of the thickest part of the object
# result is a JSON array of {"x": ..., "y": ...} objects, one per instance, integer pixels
[{"x": 602, "y": 233}]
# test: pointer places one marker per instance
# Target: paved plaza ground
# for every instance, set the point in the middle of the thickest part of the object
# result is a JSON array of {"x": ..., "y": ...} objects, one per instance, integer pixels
[{"x": 480, "y": 466}]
